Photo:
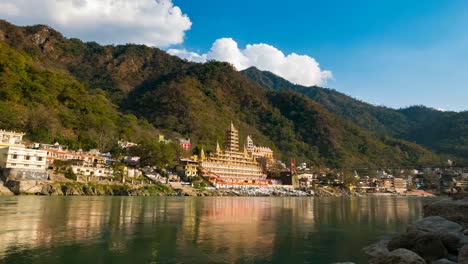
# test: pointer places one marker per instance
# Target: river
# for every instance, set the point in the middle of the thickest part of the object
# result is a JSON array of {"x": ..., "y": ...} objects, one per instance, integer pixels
[{"x": 36, "y": 229}]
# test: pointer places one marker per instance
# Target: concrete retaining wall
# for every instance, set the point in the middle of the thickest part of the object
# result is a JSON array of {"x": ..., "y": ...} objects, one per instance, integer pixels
[{"x": 23, "y": 174}]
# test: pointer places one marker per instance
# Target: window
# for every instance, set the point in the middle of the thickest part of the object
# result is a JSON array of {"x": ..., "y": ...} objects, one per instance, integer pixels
[
  {"x": 39, "y": 158},
  {"x": 14, "y": 156},
  {"x": 27, "y": 158},
  {"x": 13, "y": 164}
]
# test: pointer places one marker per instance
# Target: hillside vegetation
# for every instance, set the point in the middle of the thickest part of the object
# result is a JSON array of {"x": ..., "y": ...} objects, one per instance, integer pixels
[
  {"x": 87, "y": 95},
  {"x": 445, "y": 133}
]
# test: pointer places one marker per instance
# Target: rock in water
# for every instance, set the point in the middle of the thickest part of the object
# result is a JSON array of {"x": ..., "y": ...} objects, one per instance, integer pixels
[
  {"x": 463, "y": 255},
  {"x": 450, "y": 233},
  {"x": 406, "y": 240},
  {"x": 443, "y": 261},
  {"x": 430, "y": 247},
  {"x": 456, "y": 211},
  {"x": 437, "y": 224},
  {"x": 378, "y": 249},
  {"x": 399, "y": 256}
]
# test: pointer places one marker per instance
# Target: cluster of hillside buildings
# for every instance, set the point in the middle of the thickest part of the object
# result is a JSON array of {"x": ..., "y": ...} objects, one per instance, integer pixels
[
  {"x": 436, "y": 180},
  {"x": 231, "y": 166},
  {"x": 31, "y": 162}
]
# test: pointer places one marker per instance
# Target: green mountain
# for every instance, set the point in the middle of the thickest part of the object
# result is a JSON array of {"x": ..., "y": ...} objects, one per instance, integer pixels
[
  {"x": 445, "y": 133},
  {"x": 90, "y": 95}
]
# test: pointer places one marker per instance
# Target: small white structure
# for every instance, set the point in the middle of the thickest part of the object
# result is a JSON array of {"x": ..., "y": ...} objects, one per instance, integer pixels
[
  {"x": 126, "y": 144},
  {"x": 10, "y": 138},
  {"x": 92, "y": 171}
]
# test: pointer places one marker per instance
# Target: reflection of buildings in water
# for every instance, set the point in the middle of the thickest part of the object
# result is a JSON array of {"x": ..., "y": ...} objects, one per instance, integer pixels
[
  {"x": 239, "y": 227},
  {"x": 228, "y": 226},
  {"x": 18, "y": 228},
  {"x": 43, "y": 221},
  {"x": 32, "y": 222}
]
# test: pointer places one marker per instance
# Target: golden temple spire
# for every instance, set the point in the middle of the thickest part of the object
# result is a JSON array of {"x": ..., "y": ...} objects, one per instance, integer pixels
[
  {"x": 246, "y": 154},
  {"x": 202, "y": 155},
  {"x": 218, "y": 148}
]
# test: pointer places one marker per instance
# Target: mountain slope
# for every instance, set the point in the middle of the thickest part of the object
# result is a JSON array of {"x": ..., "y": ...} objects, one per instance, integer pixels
[
  {"x": 110, "y": 84},
  {"x": 52, "y": 106},
  {"x": 443, "y": 132}
]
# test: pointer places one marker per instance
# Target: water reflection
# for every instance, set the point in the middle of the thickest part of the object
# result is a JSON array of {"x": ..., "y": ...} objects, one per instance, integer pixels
[{"x": 196, "y": 230}]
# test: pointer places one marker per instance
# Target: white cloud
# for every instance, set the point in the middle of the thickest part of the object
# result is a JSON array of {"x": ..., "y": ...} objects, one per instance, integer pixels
[
  {"x": 151, "y": 22},
  {"x": 185, "y": 54},
  {"x": 299, "y": 69}
]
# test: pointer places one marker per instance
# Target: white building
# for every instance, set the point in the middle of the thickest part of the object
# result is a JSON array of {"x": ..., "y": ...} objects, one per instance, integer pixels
[
  {"x": 92, "y": 171},
  {"x": 19, "y": 157},
  {"x": 10, "y": 138}
]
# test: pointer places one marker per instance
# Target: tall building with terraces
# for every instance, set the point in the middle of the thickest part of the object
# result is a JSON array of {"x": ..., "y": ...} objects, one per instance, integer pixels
[{"x": 230, "y": 166}]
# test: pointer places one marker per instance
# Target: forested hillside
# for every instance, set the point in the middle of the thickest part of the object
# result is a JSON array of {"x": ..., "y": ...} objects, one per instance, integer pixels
[
  {"x": 445, "y": 133},
  {"x": 87, "y": 95}
]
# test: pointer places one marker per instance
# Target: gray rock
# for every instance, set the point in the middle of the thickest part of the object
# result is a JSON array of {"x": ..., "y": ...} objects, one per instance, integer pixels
[
  {"x": 406, "y": 240},
  {"x": 443, "y": 261},
  {"x": 463, "y": 240},
  {"x": 430, "y": 247},
  {"x": 399, "y": 256},
  {"x": 456, "y": 211},
  {"x": 463, "y": 255},
  {"x": 452, "y": 257},
  {"x": 377, "y": 249},
  {"x": 437, "y": 224},
  {"x": 465, "y": 232},
  {"x": 451, "y": 241}
]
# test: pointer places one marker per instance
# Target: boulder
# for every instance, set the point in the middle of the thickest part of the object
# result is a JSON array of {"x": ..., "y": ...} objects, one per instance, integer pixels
[
  {"x": 71, "y": 190},
  {"x": 406, "y": 240},
  {"x": 463, "y": 240},
  {"x": 437, "y": 224},
  {"x": 399, "y": 256},
  {"x": 450, "y": 233},
  {"x": 456, "y": 211},
  {"x": 443, "y": 261},
  {"x": 51, "y": 190},
  {"x": 377, "y": 249},
  {"x": 430, "y": 247},
  {"x": 4, "y": 190},
  {"x": 451, "y": 241},
  {"x": 463, "y": 255}
]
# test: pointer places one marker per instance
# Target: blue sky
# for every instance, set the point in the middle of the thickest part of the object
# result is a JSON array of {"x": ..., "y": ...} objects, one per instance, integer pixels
[
  {"x": 387, "y": 52},
  {"x": 395, "y": 53}
]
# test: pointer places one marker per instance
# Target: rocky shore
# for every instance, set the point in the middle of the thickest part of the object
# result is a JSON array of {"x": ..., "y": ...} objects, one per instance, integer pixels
[
  {"x": 85, "y": 189},
  {"x": 441, "y": 237}
]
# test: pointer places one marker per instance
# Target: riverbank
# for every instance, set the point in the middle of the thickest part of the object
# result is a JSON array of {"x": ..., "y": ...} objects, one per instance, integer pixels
[
  {"x": 144, "y": 188},
  {"x": 440, "y": 237},
  {"x": 84, "y": 189}
]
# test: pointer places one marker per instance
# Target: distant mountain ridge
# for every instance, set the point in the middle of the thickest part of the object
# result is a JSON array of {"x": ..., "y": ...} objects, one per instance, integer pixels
[
  {"x": 143, "y": 91},
  {"x": 443, "y": 132}
]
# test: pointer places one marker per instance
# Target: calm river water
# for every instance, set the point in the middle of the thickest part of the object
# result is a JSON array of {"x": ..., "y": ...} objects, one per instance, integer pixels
[{"x": 197, "y": 229}]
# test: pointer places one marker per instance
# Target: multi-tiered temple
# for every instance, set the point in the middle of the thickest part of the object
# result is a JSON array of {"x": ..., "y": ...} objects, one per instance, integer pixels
[{"x": 232, "y": 167}]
